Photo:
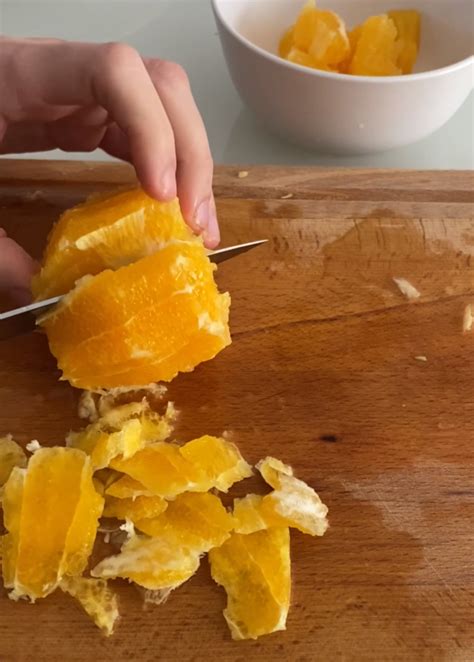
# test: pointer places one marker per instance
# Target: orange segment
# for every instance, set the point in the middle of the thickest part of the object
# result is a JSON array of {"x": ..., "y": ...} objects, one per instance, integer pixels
[
  {"x": 11, "y": 456},
  {"x": 157, "y": 564},
  {"x": 127, "y": 488},
  {"x": 198, "y": 521},
  {"x": 385, "y": 45},
  {"x": 83, "y": 527},
  {"x": 142, "y": 323},
  {"x": 219, "y": 460},
  {"x": 297, "y": 56},
  {"x": 272, "y": 469},
  {"x": 255, "y": 573},
  {"x": 134, "y": 509},
  {"x": 106, "y": 232},
  {"x": 286, "y": 42},
  {"x": 161, "y": 469},
  {"x": 96, "y": 598},
  {"x": 407, "y": 23},
  {"x": 168, "y": 470},
  {"x": 330, "y": 43},
  {"x": 376, "y": 50},
  {"x": 103, "y": 446},
  {"x": 291, "y": 503},
  {"x": 12, "y": 503},
  {"x": 303, "y": 33},
  {"x": 51, "y": 514},
  {"x": 123, "y": 431}
]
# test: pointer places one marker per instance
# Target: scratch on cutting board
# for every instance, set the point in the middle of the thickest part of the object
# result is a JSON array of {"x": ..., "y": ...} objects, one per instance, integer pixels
[{"x": 396, "y": 520}]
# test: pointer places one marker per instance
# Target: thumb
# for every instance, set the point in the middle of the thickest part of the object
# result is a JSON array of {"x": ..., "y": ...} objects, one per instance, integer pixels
[{"x": 16, "y": 270}]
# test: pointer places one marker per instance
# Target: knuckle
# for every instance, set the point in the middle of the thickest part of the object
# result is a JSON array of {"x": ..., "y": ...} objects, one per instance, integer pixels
[
  {"x": 172, "y": 74},
  {"x": 118, "y": 54},
  {"x": 198, "y": 155}
]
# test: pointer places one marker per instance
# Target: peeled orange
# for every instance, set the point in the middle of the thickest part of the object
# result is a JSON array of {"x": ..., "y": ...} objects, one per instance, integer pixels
[
  {"x": 143, "y": 304},
  {"x": 106, "y": 232}
]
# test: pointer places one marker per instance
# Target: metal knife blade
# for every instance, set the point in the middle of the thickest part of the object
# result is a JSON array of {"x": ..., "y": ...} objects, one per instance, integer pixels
[{"x": 22, "y": 320}]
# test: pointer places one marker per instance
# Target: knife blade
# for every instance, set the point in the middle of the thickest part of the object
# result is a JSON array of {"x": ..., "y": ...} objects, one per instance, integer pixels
[{"x": 23, "y": 320}]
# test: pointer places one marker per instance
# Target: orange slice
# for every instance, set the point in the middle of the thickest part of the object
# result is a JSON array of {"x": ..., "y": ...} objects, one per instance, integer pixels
[
  {"x": 106, "y": 232},
  {"x": 51, "y": 512},
  {"x": 121, "y": 431},
  {"x": 199, "y": 521},
  {"x": 218, "y": 460},
  {"x": 255, "y": 573},
  {"x": 96, "y": 598},
  {"x": 134, "y": 509},
  {"x": 168, "y": 470},
  {"x": 11, "y": 456},
  {"x": 142, "y": 323},
  {"x": 157, "y": 564},
  {"x": 127, "y": 488}
]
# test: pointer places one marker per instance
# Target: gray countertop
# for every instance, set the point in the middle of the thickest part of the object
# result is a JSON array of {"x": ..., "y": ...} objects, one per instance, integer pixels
[{"x": 184, "y": 31}]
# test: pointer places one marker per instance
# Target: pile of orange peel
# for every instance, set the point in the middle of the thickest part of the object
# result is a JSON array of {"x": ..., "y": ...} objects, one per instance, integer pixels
[{"x": 165, "y": 498}]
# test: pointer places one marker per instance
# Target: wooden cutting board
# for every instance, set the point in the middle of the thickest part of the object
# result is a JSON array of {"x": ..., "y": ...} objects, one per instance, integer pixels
[{"x": 323, "y": 373}]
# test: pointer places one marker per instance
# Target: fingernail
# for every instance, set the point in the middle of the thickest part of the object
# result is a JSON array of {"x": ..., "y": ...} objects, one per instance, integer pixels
[
  {"x": 212, "y": 234},
  {"x": 201, "y": 217}
]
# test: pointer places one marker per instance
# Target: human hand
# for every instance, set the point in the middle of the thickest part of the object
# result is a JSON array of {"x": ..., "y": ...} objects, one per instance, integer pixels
[{"x": 79, "y": 97}]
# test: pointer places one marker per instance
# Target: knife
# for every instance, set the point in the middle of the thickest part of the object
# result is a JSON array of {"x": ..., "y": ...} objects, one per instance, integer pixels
[{"x": 22, "y": 320}]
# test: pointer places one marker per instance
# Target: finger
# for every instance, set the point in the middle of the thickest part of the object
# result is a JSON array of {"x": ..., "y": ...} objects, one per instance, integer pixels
[
  {"x": 25, "y": 137},
  {"x": 81, "y": 131},
  {"x": 116, "y": 144},
  {"x": 112, "y": 76},
  {"x": 194, "y": 160},
  {"x": 16, "y": 270}
]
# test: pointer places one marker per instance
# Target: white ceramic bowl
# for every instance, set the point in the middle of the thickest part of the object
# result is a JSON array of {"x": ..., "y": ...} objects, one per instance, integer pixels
[{"x": 340, "y": 113}]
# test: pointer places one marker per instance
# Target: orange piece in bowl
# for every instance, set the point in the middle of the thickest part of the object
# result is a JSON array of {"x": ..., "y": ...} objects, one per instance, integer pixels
[
  {"x": 330, "y": 43},
  {"x": 286, "y": 42},
  {"x": 407, "y": 23},
  {"x": 376, "y": 49},
  {"x": 303, "y": 32}
]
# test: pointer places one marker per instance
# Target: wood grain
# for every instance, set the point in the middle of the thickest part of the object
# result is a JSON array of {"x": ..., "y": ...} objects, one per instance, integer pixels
[{"x": 322, "y": 374}]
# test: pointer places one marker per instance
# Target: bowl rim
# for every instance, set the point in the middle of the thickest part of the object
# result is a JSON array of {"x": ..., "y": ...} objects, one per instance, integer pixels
[{"x": 355, "y": 78}]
